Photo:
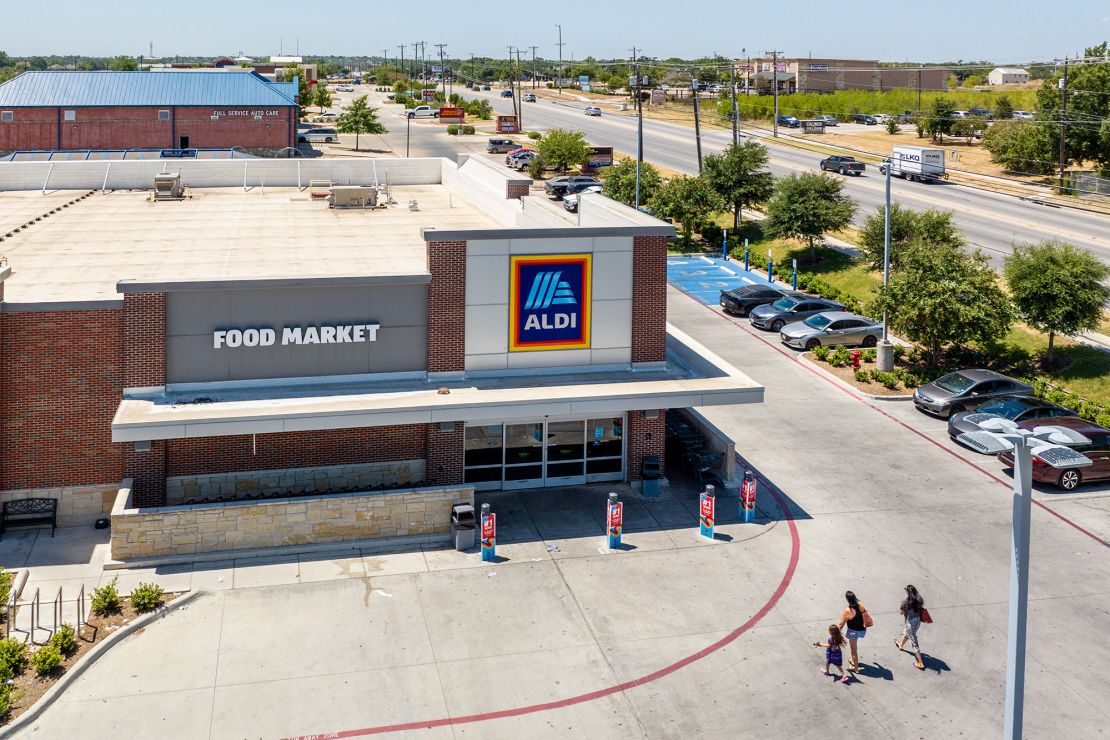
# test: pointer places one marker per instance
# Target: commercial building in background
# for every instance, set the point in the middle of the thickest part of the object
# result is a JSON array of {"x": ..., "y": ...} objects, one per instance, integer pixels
[
  {"x": 1007, "y": 75},
  {"x": 827, "y": 75},
  {"x": 273, "y": 69},
  {"x": 142, "y": 110},
  {"x": 244, "y": 352}
]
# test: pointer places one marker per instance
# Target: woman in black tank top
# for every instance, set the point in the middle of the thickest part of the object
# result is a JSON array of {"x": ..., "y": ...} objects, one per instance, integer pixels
[{"x": 852, "y": 618}]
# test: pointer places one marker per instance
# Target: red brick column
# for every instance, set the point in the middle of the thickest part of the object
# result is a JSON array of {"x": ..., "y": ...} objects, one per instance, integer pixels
[
  {"x": 645, "y": 437},
  {"x": 447, "y": 307},
  {"x": 144, "y": 339},
  {"x": 148, "y": 473},
  {"x": 444, "y": 458},
  {"x": 649, "y": 299},
  {"x": 517, "y": 189}
]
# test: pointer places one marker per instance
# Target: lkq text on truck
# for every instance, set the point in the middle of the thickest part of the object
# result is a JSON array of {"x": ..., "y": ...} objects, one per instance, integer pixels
[{"x": 919, "y": 163}]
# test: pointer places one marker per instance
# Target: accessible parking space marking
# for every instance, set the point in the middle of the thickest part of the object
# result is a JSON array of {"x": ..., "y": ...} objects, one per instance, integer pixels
[{"x": 703, "y": 278}]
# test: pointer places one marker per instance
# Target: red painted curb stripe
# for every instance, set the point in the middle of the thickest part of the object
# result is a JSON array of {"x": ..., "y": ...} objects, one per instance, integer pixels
[
  {"x": 861, "y": 399},
  {"x": 795, "y": 551}
]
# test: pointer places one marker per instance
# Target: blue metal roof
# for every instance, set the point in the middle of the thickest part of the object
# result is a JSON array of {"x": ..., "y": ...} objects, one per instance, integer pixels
[{"x": 86, "y": 89}]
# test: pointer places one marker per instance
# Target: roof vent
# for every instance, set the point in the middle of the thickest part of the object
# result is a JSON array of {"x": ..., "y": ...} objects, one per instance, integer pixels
[
  {"x": 167, "y": 186},
  {"x": 353, "y": 196}
]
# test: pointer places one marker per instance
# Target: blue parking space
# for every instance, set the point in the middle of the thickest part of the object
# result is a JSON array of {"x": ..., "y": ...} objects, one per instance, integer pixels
[{"x": 705, "y": 277}]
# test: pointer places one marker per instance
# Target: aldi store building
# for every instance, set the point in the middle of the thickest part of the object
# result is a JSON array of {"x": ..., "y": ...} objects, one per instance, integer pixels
[{"x": 243, "y": 346}]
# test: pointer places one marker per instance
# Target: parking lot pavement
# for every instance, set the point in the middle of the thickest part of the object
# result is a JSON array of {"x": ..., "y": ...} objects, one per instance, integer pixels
[{"x": 703, "y": 278}]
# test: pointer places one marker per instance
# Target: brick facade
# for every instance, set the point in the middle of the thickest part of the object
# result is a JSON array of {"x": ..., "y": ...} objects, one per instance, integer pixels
[
  {"x": 649, "y": 299},
  {"x": 444, "y": 455},
  {"x": 645, "y": 437},
  {"x": 447, "y": 307},
  {"x": 517, "y": 189},
  {"x": 144, "y": 340},
  {"x": 60, "y": 383},
  {"x": 147, "y": 470}
]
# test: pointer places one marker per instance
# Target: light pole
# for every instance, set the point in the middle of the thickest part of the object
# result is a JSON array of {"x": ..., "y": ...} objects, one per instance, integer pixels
[
  {"x": 884, "y": 355},
  {"x": 1047, "y": 443},
  {"x": 559, "y": 82}
]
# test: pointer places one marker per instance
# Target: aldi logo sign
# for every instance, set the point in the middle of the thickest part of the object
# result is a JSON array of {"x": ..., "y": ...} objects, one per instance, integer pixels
[{"x": 549, "y": 302}]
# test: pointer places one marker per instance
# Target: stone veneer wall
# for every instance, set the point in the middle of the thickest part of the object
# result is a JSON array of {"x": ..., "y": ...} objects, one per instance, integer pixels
[
  {"x": 238, "y": 525},
  {"x": 322, "y": 479},
  {"x": 78, "y": 506}
]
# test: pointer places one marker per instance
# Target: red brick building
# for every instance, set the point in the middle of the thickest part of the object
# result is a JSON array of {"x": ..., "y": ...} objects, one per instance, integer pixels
[
  {"x": 262, "y": 343},
  {"x": 143, "y": 110}
]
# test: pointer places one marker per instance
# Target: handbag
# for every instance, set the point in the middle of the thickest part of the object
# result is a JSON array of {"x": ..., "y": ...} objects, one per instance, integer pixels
[
  {"x": 926, "y": 618},
  {"x": 867, "y": 620}
]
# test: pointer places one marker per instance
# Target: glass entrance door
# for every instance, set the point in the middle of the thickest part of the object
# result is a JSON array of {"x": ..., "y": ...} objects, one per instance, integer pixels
[
  {"x": 524, "y": 455},
  {"x": 566, "y": 453}
]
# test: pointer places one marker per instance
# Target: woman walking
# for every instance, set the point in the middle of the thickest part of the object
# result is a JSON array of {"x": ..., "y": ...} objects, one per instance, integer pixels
[
  {"x": 856, "y": 618},
  {"x": 911, "y": 609}
]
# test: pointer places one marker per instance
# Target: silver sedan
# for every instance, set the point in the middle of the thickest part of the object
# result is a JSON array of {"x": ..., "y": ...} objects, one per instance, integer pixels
[{"x": 831, "y": 327}]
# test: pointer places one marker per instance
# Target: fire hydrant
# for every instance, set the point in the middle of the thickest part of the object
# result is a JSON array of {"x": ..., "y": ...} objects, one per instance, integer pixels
[{"x": 855, "y": 359}]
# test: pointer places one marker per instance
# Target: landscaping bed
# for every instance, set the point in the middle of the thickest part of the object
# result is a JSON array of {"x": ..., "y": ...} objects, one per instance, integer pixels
[{"x": 899, "y": 382}]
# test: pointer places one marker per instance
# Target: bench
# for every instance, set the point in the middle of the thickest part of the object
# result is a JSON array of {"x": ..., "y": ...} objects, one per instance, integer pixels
[{"x": 29, "y": 512}]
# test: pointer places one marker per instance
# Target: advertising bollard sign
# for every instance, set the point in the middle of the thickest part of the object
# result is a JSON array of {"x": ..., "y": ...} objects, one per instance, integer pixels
[
  {"x": 747, "y": 496},
  {"x": 489, "y": 535},
  {"x": 615, "y": 521},
  {"x": 707, "y": 512}
]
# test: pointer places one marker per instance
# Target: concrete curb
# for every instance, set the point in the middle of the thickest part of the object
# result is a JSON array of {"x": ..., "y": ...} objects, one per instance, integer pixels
[
  {"x": 805, "y": 356},
  {"x": 32, "y": 715}
]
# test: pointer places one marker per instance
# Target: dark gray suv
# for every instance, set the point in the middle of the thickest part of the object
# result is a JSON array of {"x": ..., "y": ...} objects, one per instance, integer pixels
[{"x": 789, "y": 309}]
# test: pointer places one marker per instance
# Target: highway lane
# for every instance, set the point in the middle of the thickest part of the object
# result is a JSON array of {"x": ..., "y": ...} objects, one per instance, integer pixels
[{"x": 990, "y": 221}]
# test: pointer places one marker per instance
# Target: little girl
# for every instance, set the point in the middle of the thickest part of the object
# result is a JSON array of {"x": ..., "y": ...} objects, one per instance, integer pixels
[{"x": 833, "y": 655}]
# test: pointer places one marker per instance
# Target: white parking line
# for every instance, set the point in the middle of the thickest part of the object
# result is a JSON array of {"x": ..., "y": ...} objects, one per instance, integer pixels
[
  {"x": 706, "y": 259},
  {"x": 749, "y": 281}
]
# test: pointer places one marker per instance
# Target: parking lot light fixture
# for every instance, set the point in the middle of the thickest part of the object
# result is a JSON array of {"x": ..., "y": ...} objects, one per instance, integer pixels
[
  {"x": 1002, "y": 435},
  {"x": 884, "y": 355}
]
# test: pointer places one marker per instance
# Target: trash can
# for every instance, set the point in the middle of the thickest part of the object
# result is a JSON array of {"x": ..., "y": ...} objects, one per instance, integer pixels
[
  {"x": 651, "y": 470},
  {"x": 462, "y": 526}
]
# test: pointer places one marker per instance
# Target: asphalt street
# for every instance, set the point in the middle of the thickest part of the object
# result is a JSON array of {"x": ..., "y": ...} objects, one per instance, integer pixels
[{"x": 990, "y": 221}]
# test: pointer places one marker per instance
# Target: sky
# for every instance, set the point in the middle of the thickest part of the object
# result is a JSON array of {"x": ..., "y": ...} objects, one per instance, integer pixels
[{"x": 1002, "y": 31}]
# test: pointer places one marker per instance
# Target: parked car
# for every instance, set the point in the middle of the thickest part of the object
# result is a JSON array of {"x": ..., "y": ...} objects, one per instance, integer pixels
[
  {"x": 827, "y": 120},
  {"x": 529, "y": 97},
  {"x": 498, "y": 144},
  {"x": 326, "y": 118},
  {"x": 344, "y": 88},
  {"x": 959, "y": 114},
  {"x": 964, "y": 389},
  {"x": 570, "y": 201},
  {"x": 1014, "y": 408},
  {"x": 832, "y": 327},
  {"x": 506, "y": 93},
  {"x": 558, "y": 186},
  {"x": 743, "y": 299},
  {"x": 593, "y": 110},
  {"x": 316, "y": 135},
  {"x": 485, "y": 87},
  {"x": 469, "y": 85},
  {"x": 843, "y": 165},
  {"x": 1023, "y": 114},
  {"x": 422, "y": 111},
  {"x": 788, "y": 309},
  {"x": 865, "y": 119},
  {"x": 391, "y": 96},
  {"x": 880, "y": 118},
  {"x": 980, "y": 112},
  {"x": 520, "y": 160},
  {"x": 514, "y": 152},
  {"x": 789, "y": 121},
  {"x": 1070, "y": 478}
]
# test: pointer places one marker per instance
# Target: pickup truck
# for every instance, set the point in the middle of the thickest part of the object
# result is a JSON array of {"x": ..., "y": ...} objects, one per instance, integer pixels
[
  {"x": 423, "y": 111},
  {"x": 843, "y": 165}
]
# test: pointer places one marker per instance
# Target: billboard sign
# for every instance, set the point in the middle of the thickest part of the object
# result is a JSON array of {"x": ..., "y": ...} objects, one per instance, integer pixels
[
  {"x": 658, "y": 96},
  {"x": 428, "y": 94},
  {"x": 452, "y": 115},
  {"x": 549, "y": 302},
  {"x": 599, "y": 156},
  {"x": 506, "y": 125}
]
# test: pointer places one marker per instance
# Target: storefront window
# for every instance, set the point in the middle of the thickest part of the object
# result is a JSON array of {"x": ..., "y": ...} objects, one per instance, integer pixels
[
  {"x": 605, "y": 437},
  {"x": 483, "y": 445}
]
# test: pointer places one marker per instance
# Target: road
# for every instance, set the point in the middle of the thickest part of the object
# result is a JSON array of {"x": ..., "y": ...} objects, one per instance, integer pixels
[{"x": 990, "y": 221}]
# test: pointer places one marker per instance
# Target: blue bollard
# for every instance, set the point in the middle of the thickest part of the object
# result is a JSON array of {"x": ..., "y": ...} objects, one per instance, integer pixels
[
  {"x": 770, "y": 271},
  {"x": 794, "y": 280},
  {"x": 745, "y": 260},
  {"x": 724, "y": 245}
]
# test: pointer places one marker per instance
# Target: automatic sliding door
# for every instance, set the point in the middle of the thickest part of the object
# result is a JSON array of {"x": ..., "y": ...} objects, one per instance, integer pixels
[
  {"x": 524, "y": 455},
  {"x": 566, "y": 453}
]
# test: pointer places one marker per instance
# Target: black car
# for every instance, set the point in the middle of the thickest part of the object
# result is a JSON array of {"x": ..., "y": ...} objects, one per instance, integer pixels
[
  {"x": 788, "y": 309},
  {"x": 743, "y": 299},
  {"x": 865, "y": 119},
  {"x": 980, "y": 112},
  {"x": 506, "y": 93},
  {"x": 558, "y": 186},
  {"x": 1014, "y": 408}
]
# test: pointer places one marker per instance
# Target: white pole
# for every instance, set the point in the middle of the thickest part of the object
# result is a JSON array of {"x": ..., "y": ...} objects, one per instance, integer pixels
[{"x": 1019, "y": 588}]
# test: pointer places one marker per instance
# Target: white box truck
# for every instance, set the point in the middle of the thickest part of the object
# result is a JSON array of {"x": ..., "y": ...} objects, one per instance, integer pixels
[{"x": 916, "y": 163}]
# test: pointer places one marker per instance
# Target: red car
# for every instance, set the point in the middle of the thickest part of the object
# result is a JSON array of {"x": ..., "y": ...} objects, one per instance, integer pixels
[{"x": 1070, "y": 478}]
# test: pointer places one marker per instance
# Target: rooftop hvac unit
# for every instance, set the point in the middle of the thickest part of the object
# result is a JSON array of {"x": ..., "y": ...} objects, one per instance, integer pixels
[
  {"x": 167, "y": 186},
  {"x": 353, "y": 196}
]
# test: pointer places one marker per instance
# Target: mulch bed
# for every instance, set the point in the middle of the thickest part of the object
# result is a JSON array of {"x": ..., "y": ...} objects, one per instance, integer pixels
[
  {"x": 847, "y": 374},
  {"x": 29, "y": 687}
]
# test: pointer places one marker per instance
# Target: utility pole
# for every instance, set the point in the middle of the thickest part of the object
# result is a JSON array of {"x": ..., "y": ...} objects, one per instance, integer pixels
[
  {"x": 512, "y": 87},
  {"x": 401, "y": 69},
  {"x": 735, "y": 110},
  {"x": 775, "y": 77},
  {"x": 918, "y": 111},
  {"x": 519, "y": 102},
  {"x": 694, "y": 85},
  {"x": 559, "y": 82},
  {"x": 442, "y": 70},
  {"x": 415, "y": 68},
  {"x": 1063, "y": 122},
  {"x": 533, "y": 48},
  {"x": 639, "y": 125}
]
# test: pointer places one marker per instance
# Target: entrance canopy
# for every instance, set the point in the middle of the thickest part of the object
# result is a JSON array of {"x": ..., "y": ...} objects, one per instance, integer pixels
[{"x": 692, "y": 376}]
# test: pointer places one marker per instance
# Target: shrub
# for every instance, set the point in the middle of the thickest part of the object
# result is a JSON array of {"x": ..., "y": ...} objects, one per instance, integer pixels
[
  {"x": 899, "y": 352},
  {"x": 536, "y": 168},
  {"x": 468, "y": 129},
  {"x": 840, "y": 356},
  {"x": 534, "y": 135},
  {"x": 910, "y": 380},
  {"x": 7, "y": 577},
  {"x": 453, "y": 130},
  {"x": 46, "y": 659},
  {"x": 147, "y": 596},
  {"x": 5, "y": 699},
  {"x": 821, "y": 353},
  {"x": 868, "y": 355},
  {"x": 713, "y": 235},
  {"x": 105, "y": 600},
  {"x": 13, "y": 656},
  {"x": 862, "y": 376},
  {"x": 65, "y": 639}
]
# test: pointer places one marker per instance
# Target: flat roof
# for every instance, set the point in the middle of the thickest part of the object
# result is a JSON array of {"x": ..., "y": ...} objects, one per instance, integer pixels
[
  {"x": 106, "y": 88},
  {"x": 80, "y": 252}
]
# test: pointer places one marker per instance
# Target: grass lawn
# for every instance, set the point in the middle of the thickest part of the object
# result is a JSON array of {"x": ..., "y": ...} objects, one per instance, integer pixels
[{"x": 1090, "y": 369}]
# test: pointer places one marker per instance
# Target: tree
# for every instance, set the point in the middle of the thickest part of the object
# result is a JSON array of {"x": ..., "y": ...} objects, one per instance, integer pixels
[
  {"x": 1003, "y": 108},
  {"x": 691, "y": 201},
  {"x": 941, "y": 296},
  {"x": 619, "y": 182},
  {"x": 1022, "y": 146},
  {"x": 563, "y": 149},
  {"x": 305, "y": 94},
  {"x": 967, "y": 128},
  {"x": 1057, "y": 288},
  {"x": 806, "y": 206},
  {"x": 322, "y": 97},
  {"x": 930, "y": 228},
  {"x": 1088, "y": 101},
  {"x": 740, "y": 176},
  {"x": 940, "y": 119},
  {"x": 359, "y": 118},
  {"x": 119, "y": 64}
]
